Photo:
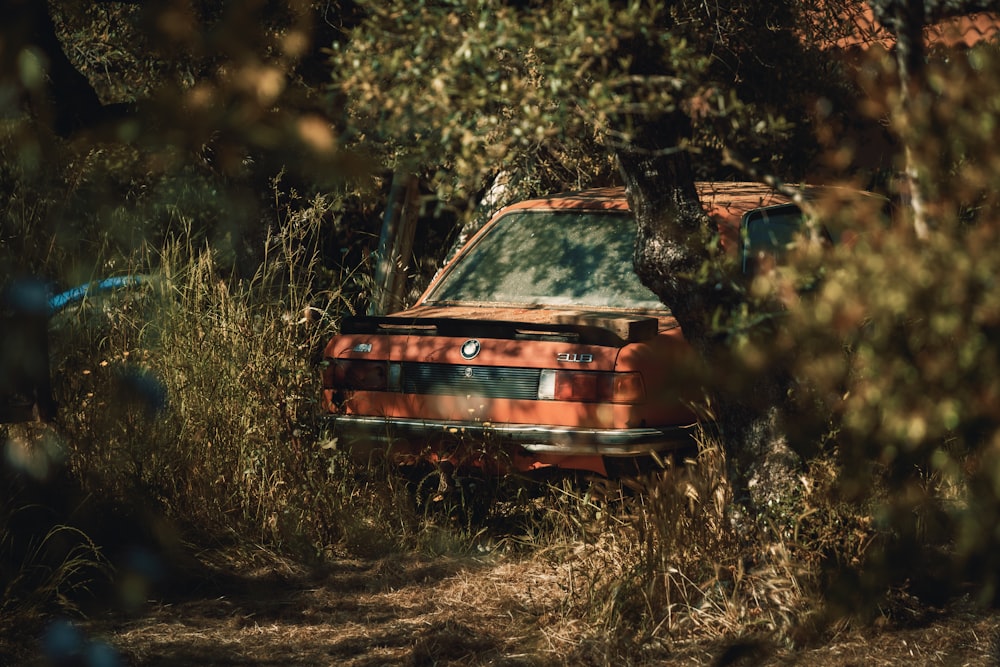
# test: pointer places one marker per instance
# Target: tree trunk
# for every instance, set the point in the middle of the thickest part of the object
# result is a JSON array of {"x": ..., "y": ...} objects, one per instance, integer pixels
[
  {"x": 906, "y": 20},
  {"x": 63, "y": 99},
  {"x": 57, "y": 96},
  {"x": 677, "y": 258}
]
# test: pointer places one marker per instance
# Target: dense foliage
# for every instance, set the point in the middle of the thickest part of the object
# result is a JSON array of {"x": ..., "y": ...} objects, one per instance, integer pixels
[
  {"x": 241, "y": 156},
  {"x": 900, "y": 337},
  {"x": 500, "y": 86}
]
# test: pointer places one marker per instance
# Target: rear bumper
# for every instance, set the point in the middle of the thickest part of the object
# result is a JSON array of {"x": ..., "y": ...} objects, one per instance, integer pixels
[{"x": 389, "y": 433}]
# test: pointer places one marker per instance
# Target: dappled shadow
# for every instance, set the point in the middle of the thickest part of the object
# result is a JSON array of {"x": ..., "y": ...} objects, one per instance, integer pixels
[
  {"x": 255, "y": 608},
  {"x": 164, "y": 604},
  {"x": 581, "y": 259},
  {"x": 400, "y": 643},
  {"x": 274, "y": 589},
  {"x": 349, "y": 612}
]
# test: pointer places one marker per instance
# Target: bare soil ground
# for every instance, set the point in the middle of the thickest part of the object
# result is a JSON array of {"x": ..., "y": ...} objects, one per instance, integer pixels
[{"x": 407, "y": 610}]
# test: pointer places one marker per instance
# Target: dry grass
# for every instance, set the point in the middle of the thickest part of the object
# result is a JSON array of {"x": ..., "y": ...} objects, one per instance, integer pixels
[
  {"x": 566, "y": 574},
  {"x": 188, "y": 413},
  {"x": 411, "y": 610},
  {"x": 197, "y": 396}
]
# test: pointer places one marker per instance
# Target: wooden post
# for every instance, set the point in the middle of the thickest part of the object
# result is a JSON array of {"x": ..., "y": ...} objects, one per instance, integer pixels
[{"x": 395, "y": 244}]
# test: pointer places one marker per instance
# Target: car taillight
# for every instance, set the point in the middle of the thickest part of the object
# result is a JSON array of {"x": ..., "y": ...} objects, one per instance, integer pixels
[
  {"x": 361, "y": 375},
  {"x": 590, "y": 386}
]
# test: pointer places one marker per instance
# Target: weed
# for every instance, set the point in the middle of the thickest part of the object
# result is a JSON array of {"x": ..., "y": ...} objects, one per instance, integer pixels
[
  {"x": 46, "y": 563},
  {"x": 197, "y": 396}
]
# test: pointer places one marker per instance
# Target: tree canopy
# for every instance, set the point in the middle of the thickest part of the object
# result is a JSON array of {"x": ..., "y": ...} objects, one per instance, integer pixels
[{"x": 495, "y": 80}]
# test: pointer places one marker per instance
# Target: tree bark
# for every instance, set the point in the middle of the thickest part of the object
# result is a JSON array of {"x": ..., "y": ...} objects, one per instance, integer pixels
[
  {"x": 673, "y": 239},
  {"x": 676, "y": 257},
  {"x": 906, "y": 20},
  {"x": 64, "y": 100}
]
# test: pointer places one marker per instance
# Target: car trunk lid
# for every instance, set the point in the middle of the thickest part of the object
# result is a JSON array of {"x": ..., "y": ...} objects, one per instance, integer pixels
[{"x": 570, "y": 326}]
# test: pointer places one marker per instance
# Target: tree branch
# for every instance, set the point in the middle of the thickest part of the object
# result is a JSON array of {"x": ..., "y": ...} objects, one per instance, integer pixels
[{"x": 66, "y": 102}]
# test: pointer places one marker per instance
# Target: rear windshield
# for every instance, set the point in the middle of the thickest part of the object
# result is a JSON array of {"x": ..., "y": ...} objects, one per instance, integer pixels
[{"x": 556, "y": 258}]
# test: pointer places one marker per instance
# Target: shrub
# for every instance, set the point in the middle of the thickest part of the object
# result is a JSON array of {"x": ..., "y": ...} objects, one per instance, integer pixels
[
  {"x": 896, "y": 347},
  {"x": 196, "y": 394}
]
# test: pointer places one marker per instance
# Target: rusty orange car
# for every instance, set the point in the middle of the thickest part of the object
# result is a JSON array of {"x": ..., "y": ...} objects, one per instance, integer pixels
[{"x": 536, "y": 346}]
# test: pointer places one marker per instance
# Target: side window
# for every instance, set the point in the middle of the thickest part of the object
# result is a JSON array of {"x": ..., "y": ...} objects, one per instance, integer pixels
[{"x": 766, "y": 234}]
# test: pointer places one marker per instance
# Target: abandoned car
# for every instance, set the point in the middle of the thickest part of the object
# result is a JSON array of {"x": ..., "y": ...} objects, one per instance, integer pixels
[{"x": 536, "y": 346}]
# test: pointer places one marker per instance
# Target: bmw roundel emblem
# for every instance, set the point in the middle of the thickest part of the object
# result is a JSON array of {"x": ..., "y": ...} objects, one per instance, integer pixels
[{"x": 470, "y": 348}]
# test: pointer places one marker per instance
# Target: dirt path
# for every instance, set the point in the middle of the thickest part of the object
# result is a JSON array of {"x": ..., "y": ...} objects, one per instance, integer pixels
[
  {"x": 405, "y": 610},
  {"x": 456, "y": 611},
  {"x": 397, "y": 611}
]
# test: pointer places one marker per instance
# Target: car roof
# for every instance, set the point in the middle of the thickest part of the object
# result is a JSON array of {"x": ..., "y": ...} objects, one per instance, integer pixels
[{"x": 726, "y": 201}]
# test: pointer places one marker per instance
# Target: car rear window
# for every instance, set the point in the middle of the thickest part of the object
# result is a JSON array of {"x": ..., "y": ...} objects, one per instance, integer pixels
[{"x": 556, "y": 258}]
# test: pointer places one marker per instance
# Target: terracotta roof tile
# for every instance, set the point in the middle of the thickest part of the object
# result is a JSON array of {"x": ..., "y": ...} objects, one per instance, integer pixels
[
  {"x": 965, "y": 30},
  {"x": 960, "y": 31}
]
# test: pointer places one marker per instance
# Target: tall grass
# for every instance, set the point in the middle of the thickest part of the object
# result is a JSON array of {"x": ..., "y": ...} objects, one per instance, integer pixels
[
  {"x": 45, "y": 561},
  {"x": 666, "y": 559},
  {"x": 197, "y": 395},
  {"x": 702, "y": 571},
  {"x": 56, "y": 569}
]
